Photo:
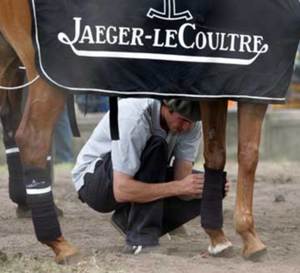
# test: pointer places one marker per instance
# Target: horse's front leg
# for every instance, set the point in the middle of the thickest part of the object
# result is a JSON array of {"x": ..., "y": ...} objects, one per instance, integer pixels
[
  {"x": 214, "y": 128},
  {"x": 250, "y": 119}
]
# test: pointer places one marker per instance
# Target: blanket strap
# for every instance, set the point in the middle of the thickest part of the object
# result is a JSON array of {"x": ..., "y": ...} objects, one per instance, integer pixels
[
  {"x": 72, "y": 116},
  {"x": 113, "y": 118}
]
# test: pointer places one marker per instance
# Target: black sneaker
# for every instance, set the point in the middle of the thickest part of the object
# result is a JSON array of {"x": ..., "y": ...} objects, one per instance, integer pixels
[
  {"x": 134, "y": 250},
  {"x": 138, "y": 249},
  {"x": 119, "y": 221}
]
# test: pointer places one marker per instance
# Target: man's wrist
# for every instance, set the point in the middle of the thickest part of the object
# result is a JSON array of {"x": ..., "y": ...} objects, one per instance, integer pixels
[{"x": 176, "y": 188}]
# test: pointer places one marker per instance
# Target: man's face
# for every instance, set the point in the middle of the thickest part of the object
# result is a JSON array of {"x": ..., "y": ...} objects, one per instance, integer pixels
[{"x": 177, "y": 123}]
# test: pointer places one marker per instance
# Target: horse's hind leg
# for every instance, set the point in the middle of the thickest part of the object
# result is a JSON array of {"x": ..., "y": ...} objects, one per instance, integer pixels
[
  {"x": 250, "y": 118},
  {"x": 214, "y": 129},
  {"x": 10, "y": 114},
  {"x": 43, "y": 105}
]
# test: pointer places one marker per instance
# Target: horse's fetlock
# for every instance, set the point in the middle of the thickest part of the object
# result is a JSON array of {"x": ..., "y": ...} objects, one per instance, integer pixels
[{"x": 243, "y": 223}]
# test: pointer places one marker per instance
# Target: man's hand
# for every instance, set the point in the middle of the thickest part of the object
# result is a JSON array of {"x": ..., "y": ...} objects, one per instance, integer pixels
[{"x": 192, "y": 186}]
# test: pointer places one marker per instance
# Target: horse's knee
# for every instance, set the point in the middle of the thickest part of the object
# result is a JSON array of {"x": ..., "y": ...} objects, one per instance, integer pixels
[
  {"x": 21, "y": 139},
  {"x": 33, "y": 149},
  {"x": 248, "y": 157},
  {"x": 215, "y": 158}
]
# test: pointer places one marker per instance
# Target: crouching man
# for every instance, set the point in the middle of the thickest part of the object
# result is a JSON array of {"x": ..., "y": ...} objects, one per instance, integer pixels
[{"x": 132, "y": 176}]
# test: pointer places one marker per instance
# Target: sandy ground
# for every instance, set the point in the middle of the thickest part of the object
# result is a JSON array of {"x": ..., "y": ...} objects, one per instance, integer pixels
[{"x": 277, "y": 211}]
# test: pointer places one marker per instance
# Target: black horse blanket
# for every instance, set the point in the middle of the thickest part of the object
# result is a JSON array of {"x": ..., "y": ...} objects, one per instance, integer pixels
[{"x": 237, "y": 49}]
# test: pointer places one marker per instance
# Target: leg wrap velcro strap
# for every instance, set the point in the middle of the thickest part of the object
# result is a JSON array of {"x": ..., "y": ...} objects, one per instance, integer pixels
[
  {"x": 17, "y": 192},
  {"x": 9, "y": 142},
  {"x": 224, "y": 183},
  {"x": 40, "y": 200},
  {"x": 212, "y": 199}
]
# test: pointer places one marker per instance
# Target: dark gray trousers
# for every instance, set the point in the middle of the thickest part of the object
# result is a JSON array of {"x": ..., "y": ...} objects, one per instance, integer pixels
[{"x": 146, "y": 221}]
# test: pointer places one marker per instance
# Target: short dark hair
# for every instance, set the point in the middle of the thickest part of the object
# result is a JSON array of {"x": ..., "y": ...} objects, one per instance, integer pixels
[{"x": 188, "y": 109}]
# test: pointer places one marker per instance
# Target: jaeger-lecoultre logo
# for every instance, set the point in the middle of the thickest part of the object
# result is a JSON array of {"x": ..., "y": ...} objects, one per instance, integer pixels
[
  {"x": 166, "y": 39},
  {"x": 169, "y": 12}
]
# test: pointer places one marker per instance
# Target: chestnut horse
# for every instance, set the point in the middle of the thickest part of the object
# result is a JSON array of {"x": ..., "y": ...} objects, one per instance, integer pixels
[
  {"x": 43, "y": 106},
  {"x": 45, "y": 103}
]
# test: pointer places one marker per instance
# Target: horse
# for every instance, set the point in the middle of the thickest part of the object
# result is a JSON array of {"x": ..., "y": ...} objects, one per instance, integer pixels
[
  {"x": 45, "y": 102},
  {"x": 33, "y": 131}
]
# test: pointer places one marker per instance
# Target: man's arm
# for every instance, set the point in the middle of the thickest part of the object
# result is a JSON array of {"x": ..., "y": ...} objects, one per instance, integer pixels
[
  {"x": 182, "y": 168},
  {"x": 127, "y": 189}
]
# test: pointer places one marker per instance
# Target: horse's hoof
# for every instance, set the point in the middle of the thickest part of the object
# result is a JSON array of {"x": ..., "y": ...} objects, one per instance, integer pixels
[
  {"x": 67, "y": 258},
  {"x": 221, "y": 250},
  {"x": 63, "y": 250},
  {"x": 255, "y": 256},
  {"x": 68, "y": 255}
]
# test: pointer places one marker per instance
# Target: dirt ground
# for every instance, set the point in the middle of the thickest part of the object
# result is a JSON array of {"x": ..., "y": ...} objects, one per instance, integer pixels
[{"x": 276, "y": 207}]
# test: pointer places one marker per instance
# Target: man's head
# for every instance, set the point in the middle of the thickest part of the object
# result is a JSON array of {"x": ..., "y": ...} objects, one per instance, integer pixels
[{"x": 180, "y": 115}]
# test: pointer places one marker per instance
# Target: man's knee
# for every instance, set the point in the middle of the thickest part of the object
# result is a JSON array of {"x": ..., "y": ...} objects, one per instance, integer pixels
[
  {"x": 96, "y": 202},
  {"x": 156, "y": 147},
  {"x": 155, "y": 152},
  {"x": 154, "y": 161}
]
